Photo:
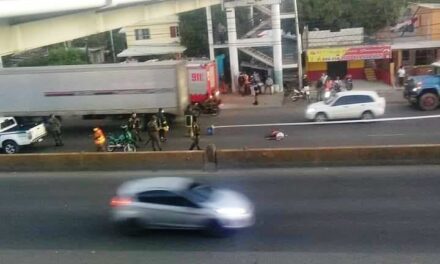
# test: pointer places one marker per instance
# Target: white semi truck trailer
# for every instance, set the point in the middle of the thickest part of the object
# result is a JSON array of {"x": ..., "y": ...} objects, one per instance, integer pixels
[{"x": 104, "y": 89}]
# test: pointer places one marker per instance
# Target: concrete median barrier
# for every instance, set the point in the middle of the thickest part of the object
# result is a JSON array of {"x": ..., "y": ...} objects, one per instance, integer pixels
[
  {"x": 340, "y": 156},
  {"x": 171, "y": 160},
  {"x": 224, "y": 159}
]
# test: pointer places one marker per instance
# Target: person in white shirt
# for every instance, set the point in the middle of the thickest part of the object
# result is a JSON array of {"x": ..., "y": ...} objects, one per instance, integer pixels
[{"x": 401, "y": 74}]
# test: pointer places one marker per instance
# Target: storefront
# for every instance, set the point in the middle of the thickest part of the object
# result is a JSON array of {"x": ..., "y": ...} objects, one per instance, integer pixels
[
  {"x": 340, "y": 61},
  {"x": 416, "y": 56}
]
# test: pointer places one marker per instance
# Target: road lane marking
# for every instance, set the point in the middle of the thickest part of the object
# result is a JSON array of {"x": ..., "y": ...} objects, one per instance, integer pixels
[
  {"x": 386, "y": 135},
  {"x": 310, "y": 123}
]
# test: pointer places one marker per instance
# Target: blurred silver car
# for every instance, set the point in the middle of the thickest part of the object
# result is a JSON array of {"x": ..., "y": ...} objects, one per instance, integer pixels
[{"x": 179, "y": 203}]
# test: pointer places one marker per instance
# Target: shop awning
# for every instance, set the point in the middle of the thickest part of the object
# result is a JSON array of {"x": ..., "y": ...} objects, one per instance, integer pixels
[
  {"x": 421, "y": 44},
  {"x": 150, "y": 50}
]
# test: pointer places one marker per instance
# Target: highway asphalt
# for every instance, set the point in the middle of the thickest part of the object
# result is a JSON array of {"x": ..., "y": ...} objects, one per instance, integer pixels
[
  {"x": 304, "y": 215},
  {"x": 77, "y": 133}
]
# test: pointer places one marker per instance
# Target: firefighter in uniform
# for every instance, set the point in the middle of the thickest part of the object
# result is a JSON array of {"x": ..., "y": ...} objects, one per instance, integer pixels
[
  {"x": 196, "y": 135},
  {"x": 134, "y": 124},
  {"x": 163, "y": 125},
  {"x": 153, "y": 133},
  {"x": 99, "y": 139}
]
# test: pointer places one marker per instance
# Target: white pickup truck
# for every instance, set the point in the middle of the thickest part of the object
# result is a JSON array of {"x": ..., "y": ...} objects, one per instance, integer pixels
[{"x": 14, "y": 135}]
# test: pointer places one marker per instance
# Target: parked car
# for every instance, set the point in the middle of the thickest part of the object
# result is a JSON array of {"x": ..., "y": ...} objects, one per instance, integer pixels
[
  {"x": 179, "y": 203},
  {"x": 347, "y": 105},
  {"x": 14, "y": 135}
]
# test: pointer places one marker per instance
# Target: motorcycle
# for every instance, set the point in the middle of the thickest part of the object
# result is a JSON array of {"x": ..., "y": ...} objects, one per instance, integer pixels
[
  {"x": 123, "y": 142},
  {"x": 301, "y": 94},
  {"x": 210, "y": 108}
]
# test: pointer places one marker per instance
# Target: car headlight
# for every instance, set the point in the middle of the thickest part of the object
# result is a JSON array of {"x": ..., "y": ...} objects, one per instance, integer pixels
[
  {"x": 416, "y": 89},
  {"x": 311, "y": 110},
  {"x": 232, "y": 212}
]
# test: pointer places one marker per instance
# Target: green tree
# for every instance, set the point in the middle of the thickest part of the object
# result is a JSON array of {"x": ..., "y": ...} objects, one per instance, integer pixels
[
  {"x": 194, "y": 33},
  {"x": 62, "y": 56},
  {"x": 337, "y": 14},
  {"x": 56, "y": 56}
]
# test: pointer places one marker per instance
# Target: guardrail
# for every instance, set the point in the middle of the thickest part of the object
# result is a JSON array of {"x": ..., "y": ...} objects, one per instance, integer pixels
[{"x": 212, "y": 158}]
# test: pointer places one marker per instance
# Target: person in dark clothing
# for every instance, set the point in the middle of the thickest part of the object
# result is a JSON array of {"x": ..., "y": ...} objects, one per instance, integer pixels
[
  {"x": 196, "y": 137},
  {"x": 221, "y": 30},
  {"x": 305, "y": 81},
  {"x": 153, "y": 133},
  {"x": 319, "y": 89},
  {"x": 163, "y": 125},
  {"x": 54, "y": 129},
  {"x": 134, "y": 125}
]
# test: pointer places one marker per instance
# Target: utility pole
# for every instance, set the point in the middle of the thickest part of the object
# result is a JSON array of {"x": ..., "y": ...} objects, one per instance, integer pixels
[
  {"x": 210, "y": 33},
  {"x": 299, "y": 45},
  {"x": 113, "y": 46}
]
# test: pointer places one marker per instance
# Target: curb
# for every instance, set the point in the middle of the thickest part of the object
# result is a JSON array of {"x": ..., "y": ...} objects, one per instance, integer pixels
[{"x": 213, "y": 159}]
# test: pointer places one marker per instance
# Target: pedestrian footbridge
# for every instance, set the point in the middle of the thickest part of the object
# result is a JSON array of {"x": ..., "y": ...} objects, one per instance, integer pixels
[{"x": 29, "y": 24}]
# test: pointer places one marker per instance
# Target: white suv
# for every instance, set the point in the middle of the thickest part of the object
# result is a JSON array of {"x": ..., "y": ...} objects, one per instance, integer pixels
[
  {"x": 14, "y": 135},
  {"x": 347, "y": 105}
]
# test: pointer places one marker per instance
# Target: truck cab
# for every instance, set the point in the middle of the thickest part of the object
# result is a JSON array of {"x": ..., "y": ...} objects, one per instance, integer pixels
[
  {"x": 424, "y": 90},
  {"x": 15, "y": 135}
]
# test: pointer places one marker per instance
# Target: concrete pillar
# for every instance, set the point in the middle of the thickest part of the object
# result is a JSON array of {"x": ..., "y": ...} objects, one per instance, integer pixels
[
  {"x": 299, "y": 45},
  {"x": 399, "y": 59},
  {"x": 1, "y": 62},
  {"x": 210, "y": 33},
  {"x": 277, "y": 46},
  {"x": 412, "y": 58},
  {"x": 232, "y": 44},
  {"x": 251, "y": 15}
]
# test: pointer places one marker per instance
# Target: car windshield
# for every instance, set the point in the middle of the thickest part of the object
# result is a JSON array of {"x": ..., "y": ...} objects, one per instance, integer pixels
[{"x": 199, "y": 193}]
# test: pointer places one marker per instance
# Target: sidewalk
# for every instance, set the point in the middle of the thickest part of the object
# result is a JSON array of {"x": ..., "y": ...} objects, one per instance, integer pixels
[
  {"x": 391, "y": 94},
  {"x": 236, "y": 101}
]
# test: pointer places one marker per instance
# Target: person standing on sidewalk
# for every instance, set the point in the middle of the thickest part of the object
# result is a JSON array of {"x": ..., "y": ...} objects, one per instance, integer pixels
[
  {"x": 196, "y": 137},
  {"x": 54, "y": 128},
  {"x": 221, "y": 30},
  {"x": 319, "y": 88},
  {"x": 153, "y": 133},
  {"x": 401, "y": 74}
]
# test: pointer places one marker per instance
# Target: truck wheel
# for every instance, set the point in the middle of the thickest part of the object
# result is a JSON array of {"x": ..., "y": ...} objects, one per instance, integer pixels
[
  {"x": 428, "y": 102},
  {"x": 10, "y": 147}
]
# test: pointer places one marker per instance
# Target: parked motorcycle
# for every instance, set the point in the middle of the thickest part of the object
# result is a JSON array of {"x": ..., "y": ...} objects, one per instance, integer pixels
[
  {"x": 124, "y": 142},
  {"x": 300, "y": 94},
  {"x": 210, "y": 107}
]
